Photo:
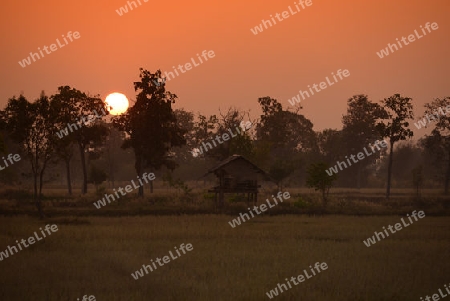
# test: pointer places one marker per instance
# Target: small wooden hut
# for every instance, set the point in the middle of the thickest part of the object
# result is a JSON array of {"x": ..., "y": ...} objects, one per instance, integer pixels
[{"x": 236, "y": 175}]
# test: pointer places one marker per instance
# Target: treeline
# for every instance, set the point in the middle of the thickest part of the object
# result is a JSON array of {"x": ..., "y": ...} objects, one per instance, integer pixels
[{"x": 70, "y": 126}]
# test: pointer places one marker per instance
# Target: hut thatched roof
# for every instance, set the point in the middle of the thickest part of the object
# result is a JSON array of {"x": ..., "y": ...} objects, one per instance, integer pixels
[{"x": 236, "y": 159}]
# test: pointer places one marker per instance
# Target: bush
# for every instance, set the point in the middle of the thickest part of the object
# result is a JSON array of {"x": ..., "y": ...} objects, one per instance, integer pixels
[
  {"x": 342, "y": 203},
  {"x": 238, "y": 198},
  {"x": 209, "y": 196},
  {"x": 301, "y": 203}
]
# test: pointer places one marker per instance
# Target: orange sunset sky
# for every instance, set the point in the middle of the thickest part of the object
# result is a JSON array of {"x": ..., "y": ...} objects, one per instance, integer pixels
[{"x": 296, "y": 52}]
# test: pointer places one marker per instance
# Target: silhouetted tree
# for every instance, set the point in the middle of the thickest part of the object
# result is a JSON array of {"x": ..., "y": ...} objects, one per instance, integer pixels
[
  {"x": 397, "y": 110},
  {"x": 151, "y": 125},
  {"x": 330, "y": 144},
  {"x": 186, "y": 122},
  {"x": 75, "y": 111},
  {"x": 286, "y": 138},
  {"x": 31, "y": 126},
  {"x": 319, "y": 179},
  {"x": 97, "y": 176},
  {"x": 359, "y": 130},
  {"x": 438, "y": 142},
  {"x": 407, "y": 156},
  {"x": 2, "y": 145},
  {"x": 112, "y": 152}
]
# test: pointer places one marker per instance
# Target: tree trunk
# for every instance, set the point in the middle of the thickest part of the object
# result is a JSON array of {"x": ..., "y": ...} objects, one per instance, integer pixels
[
  {"x": 69, "y": 180},
  {"x": 35, "y": 190},
  {"x": 37, "y": 199},
  {"x": 447, "y": 176},
  {"x": 41, "y": 182},
  {"x": 83, "y": 165},
  {"x": 111, "y": 166},
  {"x": 139, "y": 170},
  {"x": 391, "y": 154}
]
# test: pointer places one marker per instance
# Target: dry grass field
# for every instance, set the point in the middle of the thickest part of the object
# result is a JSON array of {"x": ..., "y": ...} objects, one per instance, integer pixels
[{"x": 96, "y": 256}]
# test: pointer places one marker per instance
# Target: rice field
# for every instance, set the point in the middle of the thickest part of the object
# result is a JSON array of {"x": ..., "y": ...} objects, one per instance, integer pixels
[{"x": 96, "y": 256}]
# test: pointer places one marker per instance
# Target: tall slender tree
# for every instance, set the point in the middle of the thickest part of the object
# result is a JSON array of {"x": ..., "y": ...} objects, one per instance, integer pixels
[
  {"x": 75, "y": 110},
  {"x": 397, "y": 111}
]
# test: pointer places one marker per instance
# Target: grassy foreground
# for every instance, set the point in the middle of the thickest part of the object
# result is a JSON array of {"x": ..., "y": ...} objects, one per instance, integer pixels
[{"x": 96, "y": 256}]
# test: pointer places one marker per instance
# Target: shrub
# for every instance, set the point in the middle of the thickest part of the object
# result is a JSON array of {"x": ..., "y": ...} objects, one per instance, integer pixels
[
  {"x": 301, "y": 203},
  {"x": 238, "y": 198},
  {"x": 319, "y": 179},
  {"x": 209, "y": 196},
  {"x": 341, "y": 203}
]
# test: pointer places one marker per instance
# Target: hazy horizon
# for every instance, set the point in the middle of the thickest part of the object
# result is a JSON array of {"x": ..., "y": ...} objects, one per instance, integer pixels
[{"x": 277, "y": 62}]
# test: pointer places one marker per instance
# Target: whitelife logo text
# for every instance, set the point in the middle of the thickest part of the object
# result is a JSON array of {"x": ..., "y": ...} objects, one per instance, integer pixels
[
  {"x": 411, "y": 38},
  {"x": 319, "y": 87},
  {"x": 124, "y": 9},
  {"x": 371, "y": 240},
  {"x": 165, "y": 259},
  {"x": 35, "y": 56},
  {"x": 31, "y": 240},
  {"x": 284, "y": 15},
  {"x": 109, "y": 197}
]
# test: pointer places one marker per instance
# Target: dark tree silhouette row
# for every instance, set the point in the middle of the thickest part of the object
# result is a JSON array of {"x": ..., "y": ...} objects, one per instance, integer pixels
[{"x": 282, "y": 142}]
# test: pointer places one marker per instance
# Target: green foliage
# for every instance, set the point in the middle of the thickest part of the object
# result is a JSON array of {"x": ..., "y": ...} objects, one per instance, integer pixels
[
  {"x": 236, "y": 198},
  {"x": 174, "y": 183},
  {"x": 301, "y": 203},
  {"x": 209, "y": 196},
  {"x": 319, "y": 180},
  {"x": 179, "y": 185}
]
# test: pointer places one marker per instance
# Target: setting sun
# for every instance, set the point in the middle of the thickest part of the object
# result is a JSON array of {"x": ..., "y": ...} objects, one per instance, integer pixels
[{"x": 117, "y": 103}]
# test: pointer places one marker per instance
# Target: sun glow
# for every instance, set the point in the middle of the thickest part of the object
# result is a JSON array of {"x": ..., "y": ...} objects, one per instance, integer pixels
[{"x": 117, "y": 103}]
